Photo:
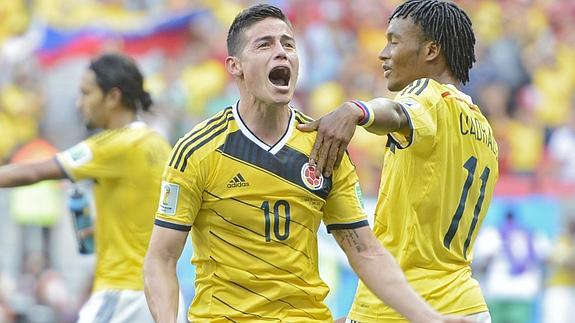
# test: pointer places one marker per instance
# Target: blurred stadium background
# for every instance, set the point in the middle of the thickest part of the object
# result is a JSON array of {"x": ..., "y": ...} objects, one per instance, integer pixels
[{"x": 524, "y": 81}]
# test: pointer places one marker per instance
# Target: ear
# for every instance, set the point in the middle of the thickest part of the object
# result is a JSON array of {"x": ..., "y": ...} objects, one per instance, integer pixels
[
  {"x": 114, "y": 96},
  {"x": 432, "y": 50},
  {"x": 234, "y": 66}
]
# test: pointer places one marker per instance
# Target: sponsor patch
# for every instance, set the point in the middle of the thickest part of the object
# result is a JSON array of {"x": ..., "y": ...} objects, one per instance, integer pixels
[
  {"x": 238, "y": 181},
  {"x": 309, "y": 179},
  {"x": 78, "y": 155},
  {"x": 169, "y": 198}
]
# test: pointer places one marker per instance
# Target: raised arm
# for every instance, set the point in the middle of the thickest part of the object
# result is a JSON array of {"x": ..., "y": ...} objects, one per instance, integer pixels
[
  {"x": 29, "y": 173},
  {"x": 160, "y": 280},
  {"x": 335, "y": 129},
  {"x": 379, "y": 271}
]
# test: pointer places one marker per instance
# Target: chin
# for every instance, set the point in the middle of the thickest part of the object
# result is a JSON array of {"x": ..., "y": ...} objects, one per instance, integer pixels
[
  {"x": 282, "y": 99},
  {"x": 393, "y": 86}
]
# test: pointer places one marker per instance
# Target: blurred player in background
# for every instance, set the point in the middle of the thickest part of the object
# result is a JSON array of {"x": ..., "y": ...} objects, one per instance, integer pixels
[
  {"x": 241, "y": 183},
  {"x": 440, "y": 165},
  {"x": 125, "y": 161}
]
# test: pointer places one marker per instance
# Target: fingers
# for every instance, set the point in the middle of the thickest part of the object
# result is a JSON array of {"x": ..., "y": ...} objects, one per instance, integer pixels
[
  {"x": 322, "y": 158},
  {"x": 332, "y": 160},
  {"x": 315, "y": 150},
  {"x": 308, "y": 127},
  {"x": 340, "y": 154}
]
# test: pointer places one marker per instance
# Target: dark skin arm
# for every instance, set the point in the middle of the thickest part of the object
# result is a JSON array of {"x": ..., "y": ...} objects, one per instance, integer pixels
[
  {"x": 335, "y": 130},
  {"x": 29, "y": 173}
]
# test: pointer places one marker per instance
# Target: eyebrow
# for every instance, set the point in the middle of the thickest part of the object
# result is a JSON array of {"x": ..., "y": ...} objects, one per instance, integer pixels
[
  {"x": 269, "y": 37},
  {"x": 392, "y": 34}
]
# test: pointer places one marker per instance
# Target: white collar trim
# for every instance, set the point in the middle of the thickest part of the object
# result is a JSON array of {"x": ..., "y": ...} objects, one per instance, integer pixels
[{"x": 253, "y": 138}]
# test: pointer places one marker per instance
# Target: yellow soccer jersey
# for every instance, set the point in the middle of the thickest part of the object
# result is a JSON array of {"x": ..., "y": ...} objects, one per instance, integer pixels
[
  {"x": 126, "y": 165},
  {"x": 254, "y": 211},
  {"x": 435, "y": 189}
]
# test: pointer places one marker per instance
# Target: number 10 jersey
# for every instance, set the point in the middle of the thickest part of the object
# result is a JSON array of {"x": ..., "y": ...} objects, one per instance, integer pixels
[{"x": 254, "y": 211}]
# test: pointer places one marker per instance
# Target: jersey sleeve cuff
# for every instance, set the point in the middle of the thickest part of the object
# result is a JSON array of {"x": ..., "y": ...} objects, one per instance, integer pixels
[
  {"x": 346, "y": 226},
  {"x": 398, "y": 139},
  {"x": 66, "y": 172},
  {"x": 173, "y": 226}
]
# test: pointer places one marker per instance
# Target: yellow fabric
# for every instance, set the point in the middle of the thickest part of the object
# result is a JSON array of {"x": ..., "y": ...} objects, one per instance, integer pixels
[
  {"x": 422, "y": 182},
  {"x": 126, "y": 165},
  {"x": 14, "y": 20},
  {"x": 560, "y": 275},
  {"x": 252, "y": 262},
  {"x": 526, "y": 145}
]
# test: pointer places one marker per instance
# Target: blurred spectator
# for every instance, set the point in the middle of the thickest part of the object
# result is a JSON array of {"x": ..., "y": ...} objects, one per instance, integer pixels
[
  {"x": 524, "y": 136},
  {"x": 7, "y": 287},
  {"x": 562, "y": 149},
  {"x": 559, "y": 303},
  {"x": 20, "y": 108},
  {"x": 509, "y": 259}
]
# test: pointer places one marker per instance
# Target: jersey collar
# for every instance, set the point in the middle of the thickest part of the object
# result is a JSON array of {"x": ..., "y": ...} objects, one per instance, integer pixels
[{"x": 253, "y": 138}]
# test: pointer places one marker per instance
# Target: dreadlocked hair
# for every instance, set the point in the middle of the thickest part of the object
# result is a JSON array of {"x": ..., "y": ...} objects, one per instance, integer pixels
[{"x": 448, "y": 25}]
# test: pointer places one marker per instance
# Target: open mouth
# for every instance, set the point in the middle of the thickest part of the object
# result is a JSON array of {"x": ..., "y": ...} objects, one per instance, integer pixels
[{"x": 280, "y": 76}]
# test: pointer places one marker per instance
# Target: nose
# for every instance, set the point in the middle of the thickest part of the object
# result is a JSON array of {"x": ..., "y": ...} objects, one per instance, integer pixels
[
  {"x": 384, "y": 53},
  {"x": 280, "y": 51}
]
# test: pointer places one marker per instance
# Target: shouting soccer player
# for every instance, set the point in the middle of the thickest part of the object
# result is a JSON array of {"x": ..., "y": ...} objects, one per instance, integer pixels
[{"x": 242, "y": 184}]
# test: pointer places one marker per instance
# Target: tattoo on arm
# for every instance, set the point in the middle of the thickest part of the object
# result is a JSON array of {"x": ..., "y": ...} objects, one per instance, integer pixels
[{"x": 350, "y": 238}]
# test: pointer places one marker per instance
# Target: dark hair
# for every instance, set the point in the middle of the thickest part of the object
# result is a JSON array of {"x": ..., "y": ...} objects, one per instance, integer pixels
[
  {"x": 448, "y": 25},
  {"x": 121, "y": 72},
  {"x": 248, "y": 17}
]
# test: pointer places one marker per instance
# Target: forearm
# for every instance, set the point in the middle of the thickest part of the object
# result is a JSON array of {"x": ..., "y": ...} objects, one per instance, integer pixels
[
  {"x": 29, "y": 173},
  {"x": 388, "y": 117},
  {"x": 16, "y": 175},
  {"x": 380, "y": 273},
  {"x": 161, "y": 288}
]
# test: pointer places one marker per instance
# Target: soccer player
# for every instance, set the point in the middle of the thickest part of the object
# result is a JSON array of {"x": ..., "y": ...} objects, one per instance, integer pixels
[
  {"x": 440, "y": 165},
  {"x": 241, "y": 182},
  {"x": 125, "y": 161}
]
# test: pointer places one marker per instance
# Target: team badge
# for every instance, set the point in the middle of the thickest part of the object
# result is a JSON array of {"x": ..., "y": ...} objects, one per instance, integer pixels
[
  {"x": 309, "y": 179},
  {"x": 79, "y": 154},
  {"x": 169, "y": 198}
]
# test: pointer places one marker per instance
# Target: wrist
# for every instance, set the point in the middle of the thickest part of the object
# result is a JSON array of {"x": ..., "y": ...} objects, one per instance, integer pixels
[{"x": 367, "y": 116}]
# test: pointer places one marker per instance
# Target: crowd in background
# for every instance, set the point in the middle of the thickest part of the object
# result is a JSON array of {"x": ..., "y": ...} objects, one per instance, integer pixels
[{"x": 524, "y": 81}]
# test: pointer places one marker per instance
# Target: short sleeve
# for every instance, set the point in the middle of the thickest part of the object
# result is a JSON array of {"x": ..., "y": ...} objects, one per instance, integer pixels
[
  {"x": 418, "y": 104},
  {"x": 180, "y": 197},
  {"x": 344, "y": 206},
  {"x": 86, "y": 160}
]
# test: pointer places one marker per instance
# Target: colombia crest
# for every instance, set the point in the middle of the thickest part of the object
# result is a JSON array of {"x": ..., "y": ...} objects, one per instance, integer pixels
[{"x": 309, "y": 179}]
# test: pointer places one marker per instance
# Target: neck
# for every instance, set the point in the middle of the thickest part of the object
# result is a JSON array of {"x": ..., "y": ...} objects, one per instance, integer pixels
[
  {"x": 121, "y": 118},
  {"x": 267, "y": 122},
  {"x": 444, "y": 76}
]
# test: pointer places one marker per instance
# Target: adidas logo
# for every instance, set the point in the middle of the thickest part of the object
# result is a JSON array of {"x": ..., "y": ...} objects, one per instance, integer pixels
[{"x": 238, "y": 181}]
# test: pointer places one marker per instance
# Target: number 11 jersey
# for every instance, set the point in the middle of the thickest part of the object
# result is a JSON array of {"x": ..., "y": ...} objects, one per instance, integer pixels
[
  {"x": 435, "y": 190},
  {"x": 254, "y": 211}
]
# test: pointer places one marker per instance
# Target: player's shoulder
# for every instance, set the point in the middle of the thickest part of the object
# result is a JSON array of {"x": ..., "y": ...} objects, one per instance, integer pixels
[
  {"x": 301, "y": 117},
  {"x": 204, "y": 138},
  {"x": 303, "y": 140},
  {"x": 424, "y": 90}
]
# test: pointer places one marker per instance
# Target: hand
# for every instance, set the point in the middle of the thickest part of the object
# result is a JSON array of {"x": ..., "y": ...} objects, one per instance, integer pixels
[{"x": 334, "y": 131}]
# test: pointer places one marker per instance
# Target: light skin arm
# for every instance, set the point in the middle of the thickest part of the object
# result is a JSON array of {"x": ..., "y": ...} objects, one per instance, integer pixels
[
  {"x": 29, "y": 173},
  {"x": 335, "y": 130},
  {"x": 379, "y": 271},
  {"x": 160, "y": 280}
]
